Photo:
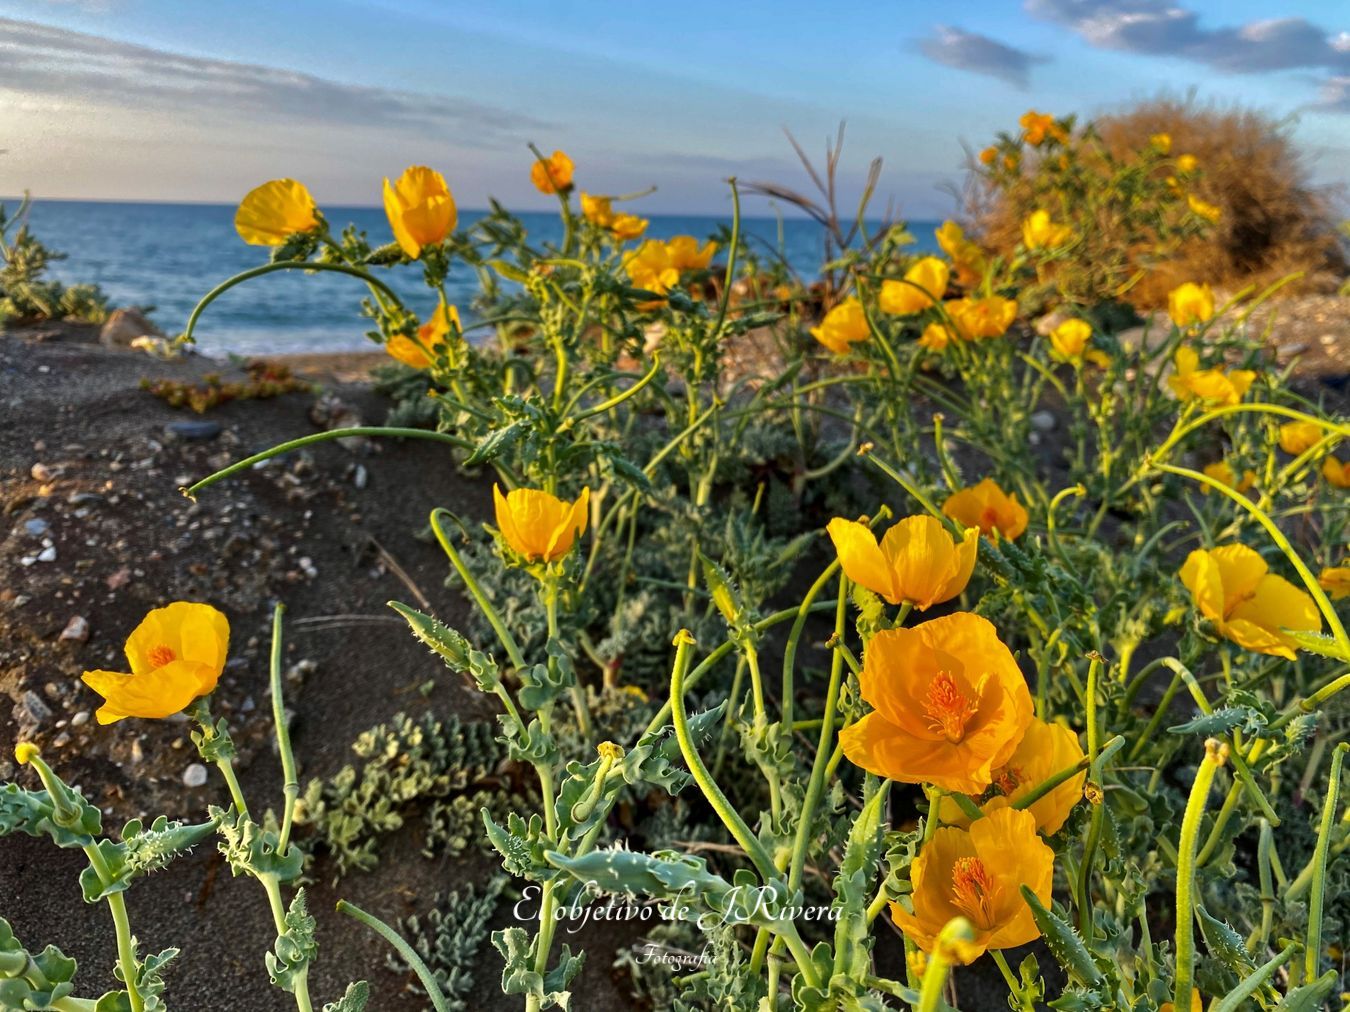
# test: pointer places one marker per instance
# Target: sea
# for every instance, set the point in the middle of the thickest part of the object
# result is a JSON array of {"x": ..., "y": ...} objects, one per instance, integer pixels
[{"x": 168, "y": 256}]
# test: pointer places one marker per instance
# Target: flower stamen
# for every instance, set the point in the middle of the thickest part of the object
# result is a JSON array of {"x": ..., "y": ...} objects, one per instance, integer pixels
[
  {"x": 947, "y": 708},
  {"x": 974, "y": 890},
  {"x": 161, "y": 655}
]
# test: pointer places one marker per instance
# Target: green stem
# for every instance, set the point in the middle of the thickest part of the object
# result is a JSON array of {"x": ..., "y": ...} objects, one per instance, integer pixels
[
  {"x": 1215, "y": 754},
  {"x": 1312, "y": 953},
  {"x": 508, "y": 641},
  {"x": 409, "y": 954},
  {"x": 291, "y": 782}
]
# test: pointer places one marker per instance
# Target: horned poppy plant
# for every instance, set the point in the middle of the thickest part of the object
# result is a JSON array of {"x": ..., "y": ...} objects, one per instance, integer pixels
[
  {"x": 552, "y": 174},
  {"x": 687, "y": 255},
  {"x": 1214, "y": 386},
  {"x": 599, "y": 211},
  {"x": 1233, "y": 588},
  {"x": 1210, "y": 212},
  {"x": 420, "y": 209},
  {"x": 1037, "y": 126},
  {"x": 917, "y": 560},
  {"x": 949, "y": 704},
  {"x": 1039, "y": 232},
  {"x": 925, "y": 282},
  {"x": 1221, "y": 471},
  {"x": 1045, "y": 749},
  {"x": 650, "y": 267},
  {"x": 967, "y": 257},
  {"x": 1161, "y": 143},
  {"x": 1190, "y": 304},
  {"x": 432, "y": 334},
  {"x": 176, "y": 655},
  {"x": 977, "y": 873},
  {"x": 936, "y": 336},
  {"x": 989, "y": 508},
  {"x": 843, "y": 325},
  {"x": 1299, "y": 437},
  {"x": 272, "y": 213},
  {"x": 539, "y": 526},
  {"x": 986, "y": 317},
  {"x": 1070, "y": 338},
  {"x": 1187, "y": 163}
]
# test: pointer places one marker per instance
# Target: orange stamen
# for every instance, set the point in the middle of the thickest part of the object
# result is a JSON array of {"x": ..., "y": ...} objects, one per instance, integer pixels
[
  {"x": 947, "y": 709},
  {"x": 1008, "y": 780},
  {"x": 974, "y": 890},
  {"x": 161, "y": 655}
]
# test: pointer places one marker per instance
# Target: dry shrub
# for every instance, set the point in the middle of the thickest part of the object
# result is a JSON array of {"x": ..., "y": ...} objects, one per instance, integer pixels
[{"x": 1275, "y": 222}]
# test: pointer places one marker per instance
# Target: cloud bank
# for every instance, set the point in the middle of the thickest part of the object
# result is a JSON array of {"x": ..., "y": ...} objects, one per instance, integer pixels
[{"x": 956, "y": 47}]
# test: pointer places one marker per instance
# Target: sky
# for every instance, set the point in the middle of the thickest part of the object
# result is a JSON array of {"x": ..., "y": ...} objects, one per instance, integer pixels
[{"x": 192, "y": 101}]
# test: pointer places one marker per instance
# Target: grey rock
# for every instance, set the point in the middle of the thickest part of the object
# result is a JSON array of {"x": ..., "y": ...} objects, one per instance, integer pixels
[
  {"x": 48, "y": 554},
  {"x": 36, "y": 527},
  {"x": 31, "y": 711},
  {"x": 76, "y": 630},
  {"x": 124, "y": 326},
  {"x": 195, "y": 431},
  {"x": 194, "y": 776},
  {"x": 80, "y": 719}
]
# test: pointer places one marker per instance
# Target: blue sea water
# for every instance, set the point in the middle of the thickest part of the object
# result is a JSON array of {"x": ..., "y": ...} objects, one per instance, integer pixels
[{"x": 169, "y": 255}]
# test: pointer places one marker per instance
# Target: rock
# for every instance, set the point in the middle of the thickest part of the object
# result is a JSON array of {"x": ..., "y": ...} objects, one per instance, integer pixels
[
  {"x": 76, "y": 630},
  {"x": 31, "y": 712},
  {"x": 36, "y": 527},
  {"x": 194, "y": 776},
  {"x": 80, "y": 719},
  {"x": 124, "y": 326},
  {"x": 194, "y": 431},
  {"x": 1043, "y": 421},
  {"x": 48, "y": 554},
  {"x": 41, "y": 472}
]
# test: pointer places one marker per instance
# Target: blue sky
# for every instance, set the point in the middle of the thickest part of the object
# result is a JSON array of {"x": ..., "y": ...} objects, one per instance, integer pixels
[{"x": 162, "y": 99}]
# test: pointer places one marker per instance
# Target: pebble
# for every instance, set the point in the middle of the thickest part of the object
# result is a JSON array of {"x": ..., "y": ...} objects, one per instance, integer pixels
[
  {"x": 36, "y": 527},
  {"x": 361, "y": 477},
  {"x": 197, "y": 431},
  {"x": 41, "y": 472},
  {"x": 48, "y": 554},
  {"x": 76, "y": 630},
  {"x": 80, "y": 719},
  {"x": 194, "y": 776},
  {"x": 31, "y": 710},
  {"x": 1043, "y": 421}
]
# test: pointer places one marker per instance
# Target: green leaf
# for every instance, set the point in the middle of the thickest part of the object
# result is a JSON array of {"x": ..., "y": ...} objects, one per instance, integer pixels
[
  {"x": 353, "y": 1000},
  {"x": 1318, "y": 643},
  {"x": 498, "y": 441},
  {"x": 295, "y": 948},
  {"x": 454, "y": 649},
  {"x": 1250, "y": 721},
  {"x": 1064, "y": 943}
]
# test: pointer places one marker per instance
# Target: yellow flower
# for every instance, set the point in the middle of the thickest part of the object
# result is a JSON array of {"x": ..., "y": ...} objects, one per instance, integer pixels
[
  {"x": 552, "y": 174},
  {"x": 917, "y": 560},
  {"x": 687, "y": 255},
  {"x": 987, "y": 317},
  {"x": 1038, "y": 126},
  {"x": 432, "y": 334},
  {"x": 967, "y": 257},
  {"x": 988, "y": 155},
  {"x": 1213, "y": 386},
  {"x": 949, "y": 704},
  {"x": 1336, "y": 472},
  {"x": 843, "y": 325},
  {"x": 539, "y": 526},
  {"x": 272, "y": 213},
  {"x": 1200, "y": 209},
  {"x": 1189, "y": 304},
  {"x": 925, "y": 282},
  {"x": 936, "y": 336},
  {"x": 978, "y": 874},
  {"x": 597, "y": 209},
  {"x": 1335, "y": 580},
  {"x": 1039, "y": 232},
  {"x": 176, "y": 655},
  {"x": 1197, "y": 1003},
  {"x": 650, "y": 267},
  {"x": 1298, "y": 437},
  {"x": 1187, "y": 163},
  {"x": 24, "y": 752},
  {"x": 627, "y": 226},
  {"x": 989, "y": 508},
  {"x": 1162, "y": 143},
  {"x": 1045, "y": 749},
  {"x": 1069, "y": 340},
  {"x": 420, "y": 209},
  {"x": 1221, "y": 471},
  {"x": 1249, "y": 605}
]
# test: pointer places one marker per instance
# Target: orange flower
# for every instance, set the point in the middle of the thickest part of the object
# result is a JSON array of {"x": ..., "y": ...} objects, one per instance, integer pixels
[
  {"x": 978, "y": 874},
  {"x": 420, "y": 209},
  {"x": 925, "y": 282},
  {"x": 1038, "y": 126},
  {"x": 598, "y": 210},
  {"x": 936, "y": 336},
  {"x": 552, "y": 174},
  {"x": 1233, "y": 588},
  {"x": 1187, "y": 163},
  {"x": 989, "y": 508},
  {"x": 687, "y": 255},
  {"x": 176, "y": 655},
  {"x": 1336, "y": 473},
  {"x": 1298, "y": 437},
  {"x": 843, "y": 325},
  {"x": 538, "y": 526},
  {"x": 1214, "y": 386},
  {"x": 967, "y": 257},
  {"x": 1221, "y": 471},
  {"x": 949, "y": 704},
  {"x": 628, "y": 226},
  {"x": 988, "y": 155},
  {"x": 1162, "y": 143},
  {"x": 1046, "y": 749},
  {"x": 917, "y": 560},
  {"x": 432, "y": 335},
  {"x": 987, "y": 317},
  {"x": 1335, "y": 580},
  {"x": 272, "y": 213}
]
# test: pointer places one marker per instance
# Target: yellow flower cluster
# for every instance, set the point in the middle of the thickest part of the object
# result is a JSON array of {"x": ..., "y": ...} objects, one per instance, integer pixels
[
  {"x": 599, "y": 211},
  {"x": 656, "y": 266}
]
